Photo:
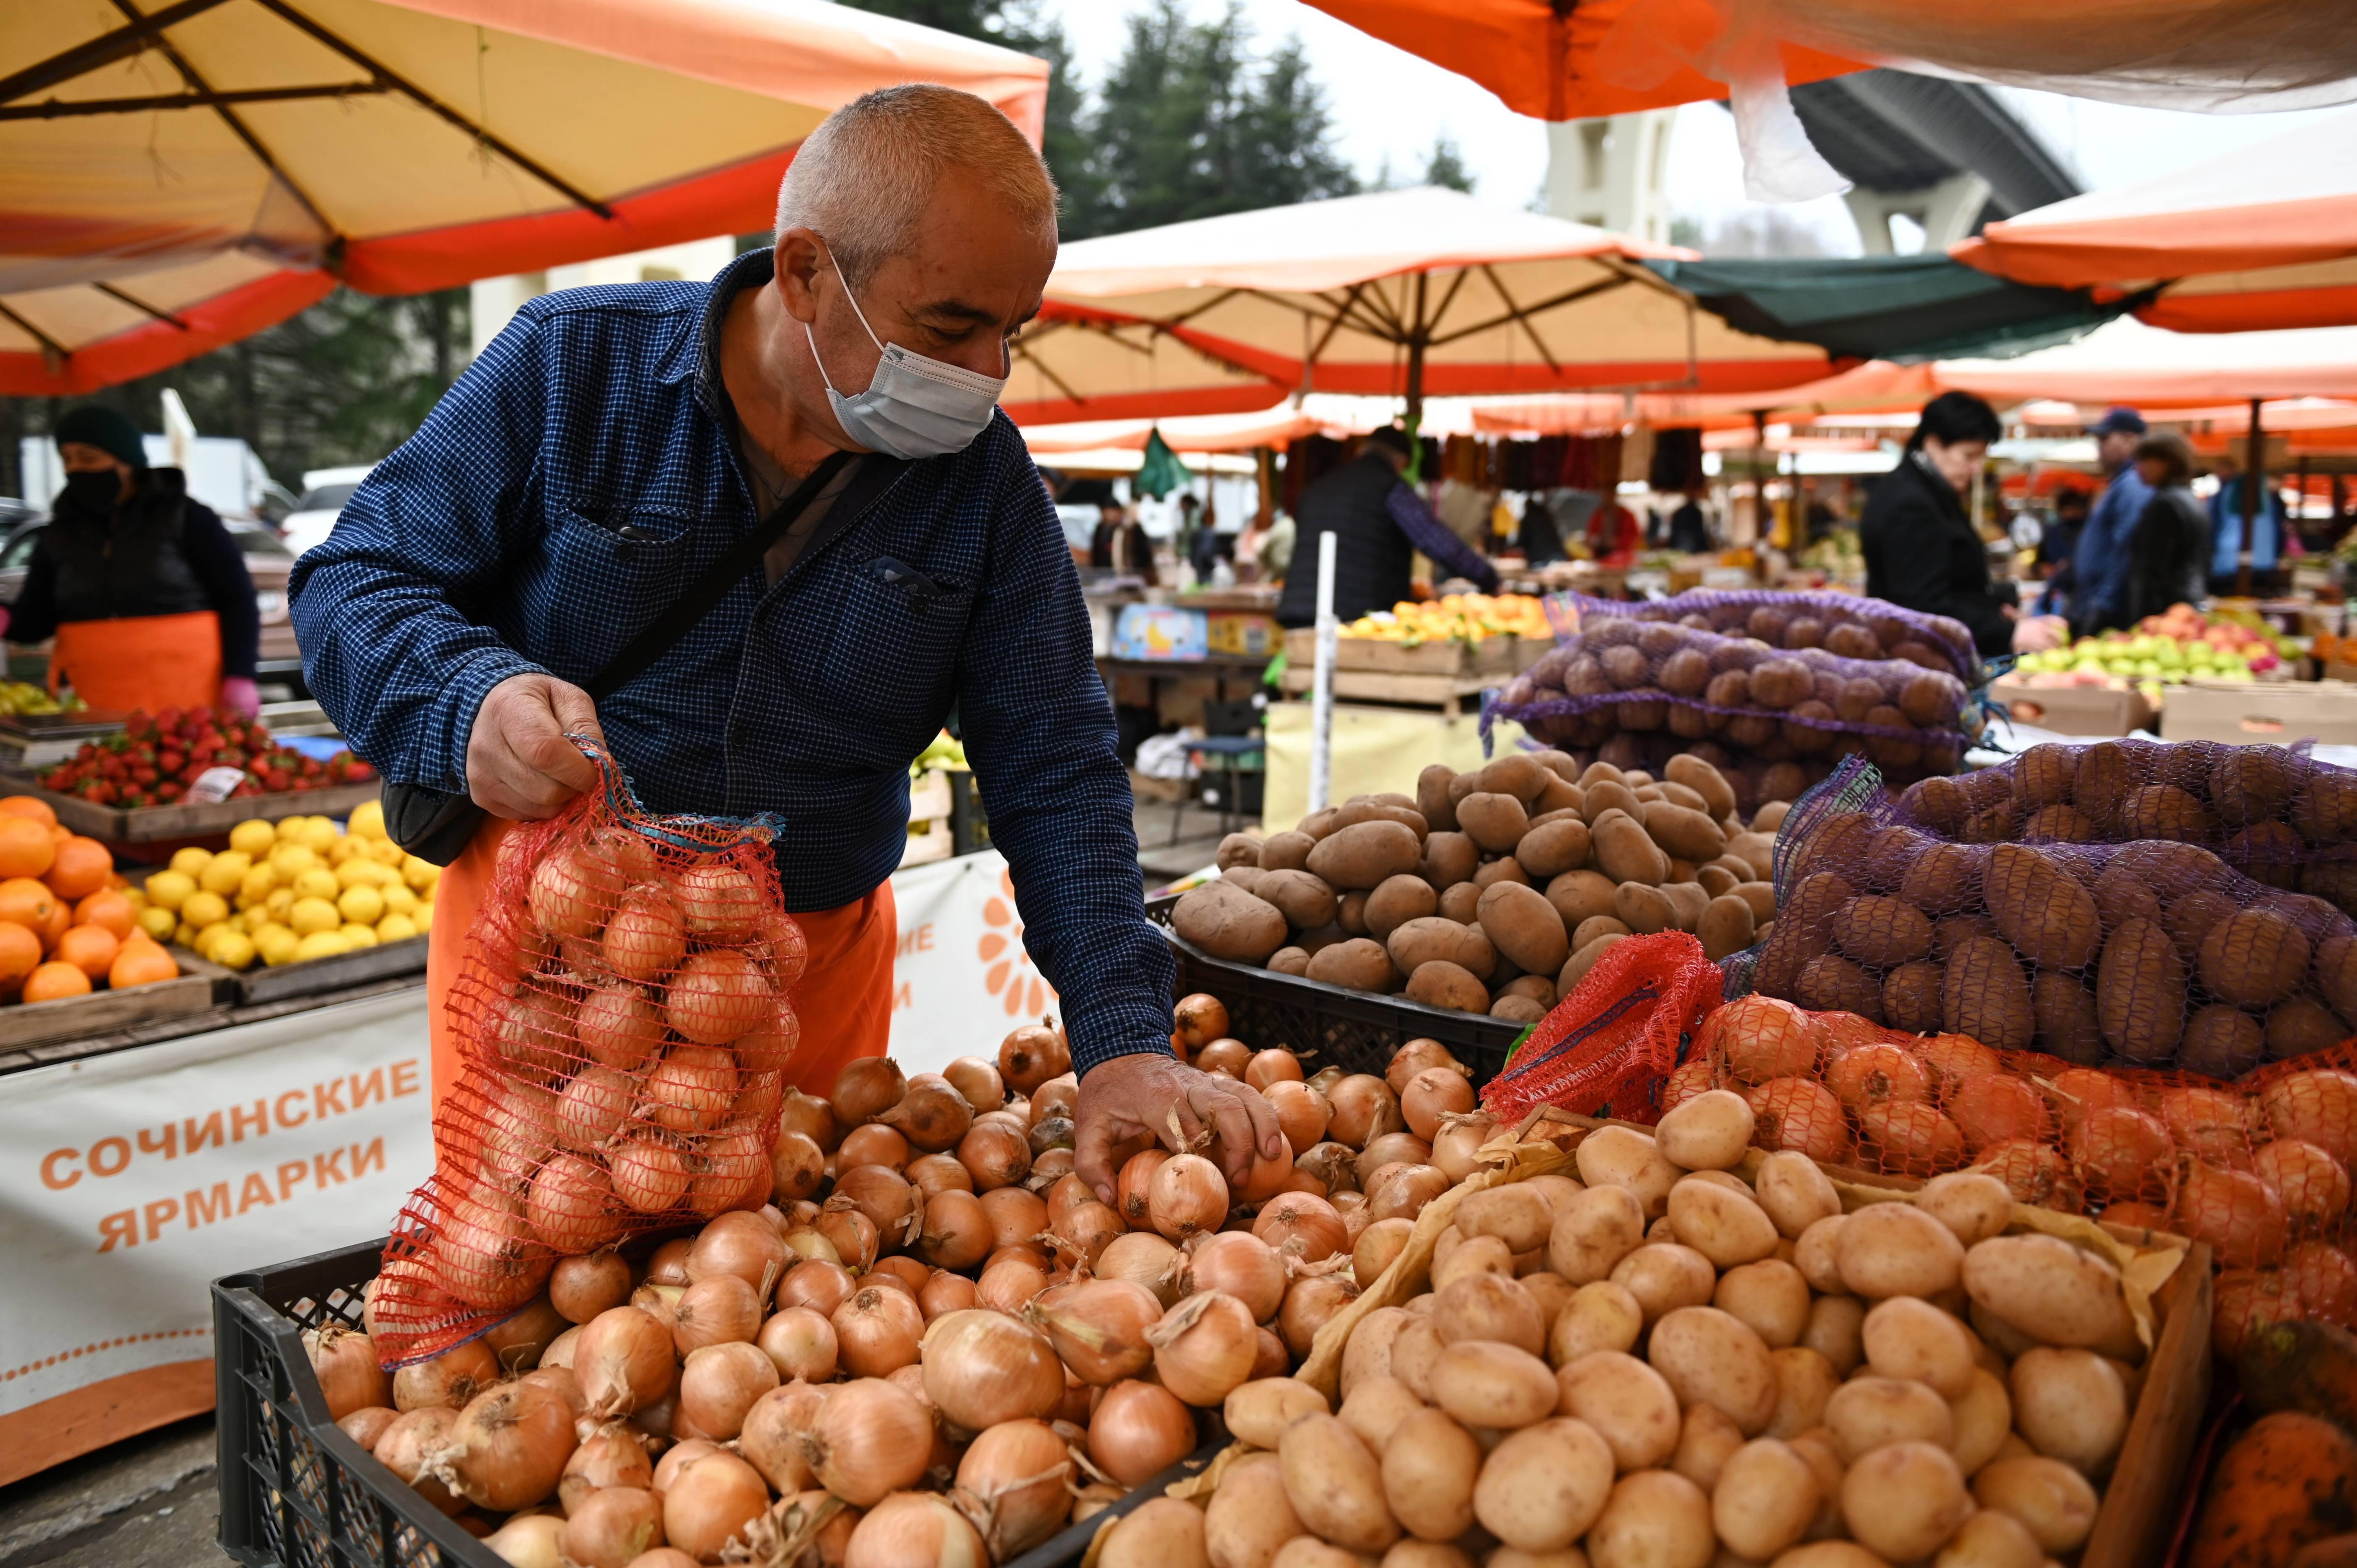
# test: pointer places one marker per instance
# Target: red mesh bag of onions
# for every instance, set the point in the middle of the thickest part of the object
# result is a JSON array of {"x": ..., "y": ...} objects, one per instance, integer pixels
[
  {"x": 624, "y": 1021},
  {"x": 2259, "y": 1168},
  {"x": 1605, "y": 1049}
]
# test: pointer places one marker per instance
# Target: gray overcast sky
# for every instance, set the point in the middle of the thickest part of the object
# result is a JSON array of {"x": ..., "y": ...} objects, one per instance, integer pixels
[{"x": 1388, "y": 104}]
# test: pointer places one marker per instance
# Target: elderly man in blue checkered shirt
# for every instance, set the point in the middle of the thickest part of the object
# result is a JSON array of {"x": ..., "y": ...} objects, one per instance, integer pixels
[{"x": 606, "y": 451}]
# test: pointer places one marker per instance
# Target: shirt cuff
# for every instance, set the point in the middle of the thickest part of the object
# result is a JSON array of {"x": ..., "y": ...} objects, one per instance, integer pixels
[{"x": 463, "y": 699}]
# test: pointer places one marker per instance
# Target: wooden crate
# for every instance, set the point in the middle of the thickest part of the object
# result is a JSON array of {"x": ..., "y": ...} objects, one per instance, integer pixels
[
  {"x": 147, "y": 824},
  {"x": 317, "y": 976},
  {"x": 101, "y": 1012},
  {"x": 1495, "y": 655},
  {"x": 1452, "y": 694}
]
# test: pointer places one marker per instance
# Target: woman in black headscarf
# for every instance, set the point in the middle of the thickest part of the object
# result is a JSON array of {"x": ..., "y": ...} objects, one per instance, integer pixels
[{"x": 1921, "y": 552}]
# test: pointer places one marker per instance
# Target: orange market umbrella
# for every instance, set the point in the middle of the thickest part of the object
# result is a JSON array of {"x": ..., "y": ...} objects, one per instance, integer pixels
[
  {"x": 174, "y": 178},
  {"x": 1400, "y": 293},
  {"x": 2262, "y": 237},
  {"x": 2125, "y": 362}
]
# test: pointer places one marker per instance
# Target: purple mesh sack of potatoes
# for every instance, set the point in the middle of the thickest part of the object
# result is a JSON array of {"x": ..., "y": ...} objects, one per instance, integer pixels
[
  {"x": 2145, "y": 953},
  {"x": 1848, "y": 626},
  {"x": 1618, "y": 676}
]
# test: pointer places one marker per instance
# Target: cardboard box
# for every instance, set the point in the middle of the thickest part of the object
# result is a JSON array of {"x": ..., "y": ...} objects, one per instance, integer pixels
[
  {"x": 2076, "y": 710},
  {"x": 2262, "y": 713},
  {"x": 1160, "y": 632},
  {"x": 1247, "y": 636}
]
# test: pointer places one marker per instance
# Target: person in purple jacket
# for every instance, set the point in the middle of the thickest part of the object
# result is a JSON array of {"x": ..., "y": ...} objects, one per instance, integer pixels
[{"x": 612, "y": 445}]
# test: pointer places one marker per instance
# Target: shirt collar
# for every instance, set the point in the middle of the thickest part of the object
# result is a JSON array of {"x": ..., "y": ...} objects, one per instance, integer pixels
[{"x": 754, "y": 269}]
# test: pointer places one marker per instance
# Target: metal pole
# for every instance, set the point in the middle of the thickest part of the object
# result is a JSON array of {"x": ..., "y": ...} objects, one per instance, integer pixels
[
  {"x": 1321, "y": 690},
  {"x": 2253, "y": 476}
]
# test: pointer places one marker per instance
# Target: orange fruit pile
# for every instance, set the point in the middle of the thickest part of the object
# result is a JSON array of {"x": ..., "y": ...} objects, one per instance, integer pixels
[{"x": 65, "y": 925}]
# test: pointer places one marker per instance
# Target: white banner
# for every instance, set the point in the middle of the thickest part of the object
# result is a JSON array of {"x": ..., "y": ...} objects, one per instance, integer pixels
[
  {"x": 961, "y": 979},
  {"x": 130, "y": 1181}
]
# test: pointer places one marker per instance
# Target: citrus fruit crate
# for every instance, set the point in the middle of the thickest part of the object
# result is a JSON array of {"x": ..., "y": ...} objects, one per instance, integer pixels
[
  {"x": 146, "y": 824},
  {"x": 104, "y": 1012},
  {"x": 1330, "y": 1025},
  {"x": 295, "y": 1490},
  {"x": 317, "y": 976}
]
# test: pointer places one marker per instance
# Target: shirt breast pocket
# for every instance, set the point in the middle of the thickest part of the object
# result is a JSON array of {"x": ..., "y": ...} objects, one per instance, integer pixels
[
  {"x": 611, "y": 571},
  {"x": 899, "y": 627}
]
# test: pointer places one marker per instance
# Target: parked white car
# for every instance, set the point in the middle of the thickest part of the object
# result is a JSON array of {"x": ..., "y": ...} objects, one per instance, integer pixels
[{"x": 325, "y": 491}]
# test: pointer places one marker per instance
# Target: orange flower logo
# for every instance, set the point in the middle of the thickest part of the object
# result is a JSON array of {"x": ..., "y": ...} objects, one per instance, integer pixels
[{"x": 1024, "y": 990}]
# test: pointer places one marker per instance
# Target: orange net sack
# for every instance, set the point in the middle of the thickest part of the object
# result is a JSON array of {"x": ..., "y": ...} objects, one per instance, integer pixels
[
  {"x": 624, "y": 1021},
  {"x": 2260, "y": 1167},
  {"x": 1606, "y": 1048}
]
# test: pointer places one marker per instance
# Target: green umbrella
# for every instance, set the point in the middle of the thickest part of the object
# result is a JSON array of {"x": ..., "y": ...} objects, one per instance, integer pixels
[{"x": 1161, "y": 473}]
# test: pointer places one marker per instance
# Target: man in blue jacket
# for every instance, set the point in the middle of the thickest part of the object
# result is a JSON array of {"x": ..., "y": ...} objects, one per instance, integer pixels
[
  {"x": 611, "y": 444},
  {"x": 2230, "y": 541},
  {"x": 2099, "y": 569}
]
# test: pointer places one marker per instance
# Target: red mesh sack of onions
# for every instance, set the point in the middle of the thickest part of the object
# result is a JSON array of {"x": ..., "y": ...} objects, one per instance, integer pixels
[
  {"x": 624, "y": 1021},
  {"x": 2276, "y": 816},
  {"x": 1849, "y": 625},
  {"x": 2260, "y": 1167},
  {"x": 1618, "y": 676}
]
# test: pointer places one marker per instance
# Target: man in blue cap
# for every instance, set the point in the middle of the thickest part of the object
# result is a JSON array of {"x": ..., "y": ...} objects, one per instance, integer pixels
[{"x": 2100, "y": 566}]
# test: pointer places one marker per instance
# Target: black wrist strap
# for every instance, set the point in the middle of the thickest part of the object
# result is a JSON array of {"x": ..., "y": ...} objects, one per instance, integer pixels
[{"x": 708, "y": 590}]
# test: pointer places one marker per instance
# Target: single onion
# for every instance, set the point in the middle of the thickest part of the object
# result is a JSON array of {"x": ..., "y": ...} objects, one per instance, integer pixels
[
  {"x": 1364, "y": 1108},
  {"x": 995, "y": 1155},
  {"x": 730, "y": 1171},
  {"x": 348, "y": 1370},
  {"x": 934, "y": 1175},
  {"x": 710, "y": 1501},
  {"x": 718, "y": 1383},
  {"x": 867, "y": 1087},
  {"x": 1435, "y": 1092},
  {"x": 570, "y": 1205},
  {"x": 618, "y": 1028},
  {"x": 1273, "y": 1362},
  {"x": 1403, "y": 1193},
  {"x": 818, "y": 1284},
  {"x": 956, "y": 1233},
  {"x": 1414, "y": 1058},
  {"x": 1204, "y": 1346},
  {"x": 1333, "y": 1165},
  {"x": 771, "y": 1439},
  {"x": 978, "y": 1081},
  {"x": 1273, "y": 1066},
  {"x": 412, "y": 1444},
  {"x": 527, "y": 1541},
  {"x": 1310, "y": 1302},
  {"x": 647, "y": 938},
  {"x": 593, "y": 1107},
  {"x": 771, "y": 1043},
  {"x": 812, "y": 1117},
  {"x": 1186, "y": 1197},
  {"x": 1389, "y": 1148},
  {"x": 659, "y": 1302},
  {"x": 1299, "y": 1226},
  {"x": 1052, "y": 1167},
  {"x": 649, "y": 1177},
  {"x": 877, "y": 1331},
  {"x": 868, "y": 1440},
  {"x": 719, "y": 1309},
  {"x": 368, "y": 1424},
  {"x": 850, "y": 1233},
  {"x": 946, "y": 1292},
  {"x": 1032, "y": 1055},
  {"x": 741, "y": 1244},
  {"x": 570, "y": 893},
  {"x": 797, "y": 1168},
  {"x": 519, "y": 1129},
  {"x": 612, "y": 1527},
  {"x": 915, "y": 1530},
  {"x": 800, "y": 1344},
  {"x": 447, "y": 1382},
  {"x": 1224, "y": 1054},
  {"x": 1009, "y": 1283},
  {"x": 1142, "y": 1258},
  {"x": 873, "y": 1144},
  {"x": 1139, "y": 1429},
  {"x": 1132, "y": 1186},
  {"x": 805, "y": 1243},
  {"x": 932, "y": 1114},
  {"x": 667, "y": 1264},
  {"x": 789, "y": 948},
  {"x": 508, "y": 1446},
  {"x": 1065, "y": 1194},
  {"x": 1057, "y": 1098},
  {"x": 1198, "y": 1020},
  {"x": 1046, "y": 1137},
  {"x": 1016, "y": 1477},
  {"x": 489, "y": 1258},
  {"x": 884, "y": 1195},
  {"x": 680, "y": 1455},
  {"x": 1237, "y": 1263},
  {"x": 1016, "y": 1215},
  {"x": 1301, "y": 1114},
  {"x": 610, "y": 1456},
  {"x": 910, "y": 1380},
  {"x": 717, "y": 995},
  {"x": 1099, "y": 1328},
  {"x": 623, "y": 1360},
  {"x": 908, "y": 1270},
  {"x": 692, "y": 1088},
  {"x": 720, "y": 901},
  {"x": 982, "y": 1367},
  {"x": 1268, "y": 1177},
  {"x": 1459, "y": 1139},
  {"x": 1088, "y": 1229}
]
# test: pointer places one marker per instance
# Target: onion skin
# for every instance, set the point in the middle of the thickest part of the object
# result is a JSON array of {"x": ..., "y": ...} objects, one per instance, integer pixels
[
  {"x": 1011, "y": 1283},
  {"x": 1133, "y": 1185},
  {"x": 1362, "y": 1108},
  {"x": 1016, "y": 1215},
  {"x": 771, "y": 1439},
  {"x": 1142, "y": 1257},
  {"x": 1275, "y": 1065},
  {"x": 1014, "y": 1482},
  {"x": 414, "y": 1441},
  {"x": 1187, "y": 1197},
  {"x": 797, "y": 1168},
  {"x": 934, "y": 1175},
  {"x": 667, "y": 1266},
  {"x": 623, "y": 1360},
  {"x": 883, "y": 1196},
  {"x": 1139, "y": 1429},
  {"x": 1272, "y": 1358},
  {"x": 877, "y": 1331},
  {"x": 1198, "y": 1020},
  {"x": 570, "y": 1207},
  {"x": 1033, "y": 1055},
  {"x": 1204, "y": 1348},
  {"x": 1309, "y": 1306},
  {"x": 581, "y": 1288},
  {"x": 915, "y": 1530},
  {"x": 866, "y": 1089},
  {"x": 875, "y": 1143},
  {"x": 978, "y": 1081},
  {"x": 612, "y": 1527},
  {"x": 811, "y": 1116},
  {"x": 1088, "y": 1229},
  {"x": 487, "y": 1258},
  {"x": 744, "y": 1245},
  {"x": 451, "y": 1381},
  {"x": 982, "y": 1368},
  {"x": 508, "y": 1446},
  {"x": 1238, "y": 1264},
  {"x": 995, "y": 1155},
  {"x": 870, "y": 1439},
  {"x": 946, "y": 1292},
  {"x": 367, "y": 1424},
  {"x": 1099, "y": 1328},
  {"x": 348, "y": 1370},
  {"x": 710, "y": 1501},
  {"x": 956, "y": 1233},
  {"x": 820, "y": 1285},
  {"x": 612, "y": 1456}
]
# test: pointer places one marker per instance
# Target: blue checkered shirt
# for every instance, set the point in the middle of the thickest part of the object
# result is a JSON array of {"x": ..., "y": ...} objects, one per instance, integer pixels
[{"x": 581, "y": 474}]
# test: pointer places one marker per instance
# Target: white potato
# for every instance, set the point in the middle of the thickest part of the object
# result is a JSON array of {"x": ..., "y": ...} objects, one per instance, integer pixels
[
  {"x": 1836, "y": 1331},
  {"x": 1630, "y": 1405},
  {"x": 1725, "y": 1226},
  {"x": 1708, "y": 1133},
  {"x": 1906, "y": 1338},
  {"x": 1869, "y": 1413},
  {"x": 1628, "y": 1159},
  {"x": 1600, "y": 1315},
  {"x": 1765, "y": 1500},
  {"x": 1665, "y": 1276},
  {"x": 1904, "y": 1500},
  {"x": 2055, "y": 1502},
  {"x": 1972, "y": 1204},
  {"x": 1654, "y": 1518},
  {"x": 1770, "y": 1295},
  {"x": 1593, "y": 1231},
  {"x": 2070, "y": 1406},
  {"x": 1804, "y": 1381},
  {"x": 1896, "y": 1249},
  {"x": 1984, "y": 1417},
  {"x": 1795, "y": 1191},
  {"x": 1709, "y": 1357}
]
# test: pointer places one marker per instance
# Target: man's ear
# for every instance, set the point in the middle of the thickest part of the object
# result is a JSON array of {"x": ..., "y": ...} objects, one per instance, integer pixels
[{"x": 800, "y": 258}]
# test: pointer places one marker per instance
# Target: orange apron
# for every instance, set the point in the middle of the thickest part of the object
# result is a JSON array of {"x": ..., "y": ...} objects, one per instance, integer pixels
[
  {"x": 141, "y": 662},
  {"x": 844, "y": 997}
]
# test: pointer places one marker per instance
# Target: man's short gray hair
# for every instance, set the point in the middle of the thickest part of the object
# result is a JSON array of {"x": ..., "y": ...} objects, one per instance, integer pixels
[{"x": 862, "y": 180}]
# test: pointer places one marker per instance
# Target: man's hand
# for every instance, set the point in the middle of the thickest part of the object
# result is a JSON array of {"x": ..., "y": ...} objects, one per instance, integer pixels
[
  {"x": 519, "y": 764},
  {"x": 1129, "y": 1095}
]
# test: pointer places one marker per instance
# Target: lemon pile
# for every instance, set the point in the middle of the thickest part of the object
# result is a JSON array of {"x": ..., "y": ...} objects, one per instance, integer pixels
[{"x": 294, "y": 889}]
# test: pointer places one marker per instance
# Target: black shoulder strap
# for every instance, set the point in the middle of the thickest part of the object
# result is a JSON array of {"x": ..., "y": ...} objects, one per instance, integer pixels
[{"x": 712, "y": 587}]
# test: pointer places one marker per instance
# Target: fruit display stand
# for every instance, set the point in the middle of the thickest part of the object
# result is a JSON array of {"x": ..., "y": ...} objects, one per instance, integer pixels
[
  {"x": 197, "y": 989},
  {"x": 324, "y": 976},
  {"x": 116, "y": 826}
]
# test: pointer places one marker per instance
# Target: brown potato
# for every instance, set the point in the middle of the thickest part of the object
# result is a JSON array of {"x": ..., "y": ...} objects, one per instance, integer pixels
[
  {"x": 1549, "y": 850},
  {"x": 1982, "y": 1419},
  {"x": 1360, "y": 855},
  {"x": 1419, "y": 942},
  {"x": 1334, "y": 1484},
  {"x": 1682, "y": 832},
  {"x": 1710, "y": 1131},
  {"x": 1429, "y": 1463},
  {"x": 1624, "y": 851},
  {"x": 1581, "y": 896},
  {"x": 1359, "y": 964},
  {"x": 1625, "y": 1157},
  {"x": 1543, "y": 1487},
  {"x": 1596, "y": 926},
  {"x": 1238, "y": 849},
  {"x": 1727, "y": 925},
  {"x": 1496, "y": 822},
  {"x": 1686, "y": 897},
  {"x": 1576, "y": 966},
  {"x": 1644, "y": 909},
  {"x": 1289, "y": 960},
  {"x": 1795, "y": 1191},
  {"x": 1522, "y": 925},
  {"x": 1450, "y": 858},
  {"x": 1307, "y": 901},
  {"x": 1286, "y": 851},
  {"x": 1461, "y": 902},
  {"x": 1395, "y": 901},
  {"x": 1654, "y": 1518},
  {"x": 1228, "y": 922}
]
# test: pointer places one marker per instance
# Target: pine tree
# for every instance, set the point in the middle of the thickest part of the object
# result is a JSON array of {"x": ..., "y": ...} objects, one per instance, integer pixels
[{"x": 1445, "y": 166}]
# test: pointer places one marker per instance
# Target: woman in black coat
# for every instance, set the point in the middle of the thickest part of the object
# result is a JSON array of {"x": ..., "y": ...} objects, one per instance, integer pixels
[
  {"x": 1921, "y": 551},
  {"x": 2168, "y": 551}
]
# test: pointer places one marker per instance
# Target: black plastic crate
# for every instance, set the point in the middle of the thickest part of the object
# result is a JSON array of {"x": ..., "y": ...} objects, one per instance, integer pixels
[
  {"x": 295, "y": 1492},
  {"x": 1070, "y": 1544},
  {"x": 1355, "y": 1030}
]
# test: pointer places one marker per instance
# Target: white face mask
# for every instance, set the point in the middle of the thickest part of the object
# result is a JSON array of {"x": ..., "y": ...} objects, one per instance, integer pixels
[{"x": 914, "y": 406}]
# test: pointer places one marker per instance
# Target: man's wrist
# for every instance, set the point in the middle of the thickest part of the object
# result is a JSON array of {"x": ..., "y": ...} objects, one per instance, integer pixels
[{"x": 1084, "y": 1061}]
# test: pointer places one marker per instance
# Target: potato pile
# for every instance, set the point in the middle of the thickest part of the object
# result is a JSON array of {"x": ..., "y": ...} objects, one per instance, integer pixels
[
  {"x": 1492, "y": 891},
  {"x": 1848, "y": 624},
  {"x": 934, "y": 1343},
  {"x": 2282, "y": 820},
  {"x": 1687, "y": 1356},
  {"x": 1619, "y": 677},
  {"x": 2261, "y": 1171},
  {"x": 2152, "y": 954}
]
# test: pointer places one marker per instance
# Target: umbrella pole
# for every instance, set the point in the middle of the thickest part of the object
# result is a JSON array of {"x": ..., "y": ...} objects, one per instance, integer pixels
[
  {"x": 1321, "y": 690},
  {"x": 2252, "y": 487}
]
